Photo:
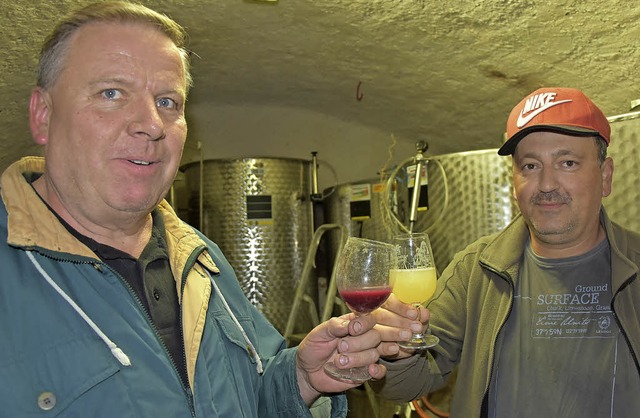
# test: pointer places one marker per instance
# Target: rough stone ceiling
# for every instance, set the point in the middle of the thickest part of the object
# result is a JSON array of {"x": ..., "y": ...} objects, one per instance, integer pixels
[{"x": 444, "y": 71}]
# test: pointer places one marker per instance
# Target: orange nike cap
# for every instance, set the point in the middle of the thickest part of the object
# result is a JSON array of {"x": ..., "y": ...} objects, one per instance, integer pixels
[{"x": 556, "y": 109}]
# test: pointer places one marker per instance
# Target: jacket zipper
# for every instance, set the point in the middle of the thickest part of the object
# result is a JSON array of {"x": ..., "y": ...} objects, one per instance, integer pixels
[
  {"x": 187, "y": 267},
  {"x": 485, "y": 397},
  {"x": 187, "y": 391},
  {"x": 615, "y": 315}
]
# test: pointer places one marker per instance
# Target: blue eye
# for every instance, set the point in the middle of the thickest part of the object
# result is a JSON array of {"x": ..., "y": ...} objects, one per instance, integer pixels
[
  {"x": 111, "y": 93},
  {"x": 167, "y": 103}
]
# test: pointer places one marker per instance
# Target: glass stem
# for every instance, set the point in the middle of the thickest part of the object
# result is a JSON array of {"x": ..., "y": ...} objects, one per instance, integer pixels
[{"x": 418, "y": 335}]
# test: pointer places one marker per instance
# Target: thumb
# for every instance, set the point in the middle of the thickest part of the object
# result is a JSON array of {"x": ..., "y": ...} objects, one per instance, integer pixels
[{"x": 336, "y": 327}]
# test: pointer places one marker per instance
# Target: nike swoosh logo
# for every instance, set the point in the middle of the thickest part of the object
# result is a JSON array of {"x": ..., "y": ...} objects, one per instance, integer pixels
[{"x": 524, "y": 120}]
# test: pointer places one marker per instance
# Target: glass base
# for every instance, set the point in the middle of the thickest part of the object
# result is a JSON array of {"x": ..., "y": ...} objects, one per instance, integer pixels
[
  {"x": 420, "y": 342},
  {"x": 351, "y": 375}
]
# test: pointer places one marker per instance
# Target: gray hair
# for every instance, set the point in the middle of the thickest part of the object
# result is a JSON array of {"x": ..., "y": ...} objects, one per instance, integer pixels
[
  {"x": 56, "y": 45},
  {"x": 602, "y": 149}
]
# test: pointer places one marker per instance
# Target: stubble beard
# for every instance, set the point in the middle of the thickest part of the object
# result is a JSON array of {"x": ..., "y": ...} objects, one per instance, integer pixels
[{"x": 545, "y": 228}]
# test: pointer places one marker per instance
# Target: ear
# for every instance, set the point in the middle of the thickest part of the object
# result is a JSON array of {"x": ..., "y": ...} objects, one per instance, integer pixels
[
  {"x": 39, "y": 115},
  {"x": 607, "y": 176}
]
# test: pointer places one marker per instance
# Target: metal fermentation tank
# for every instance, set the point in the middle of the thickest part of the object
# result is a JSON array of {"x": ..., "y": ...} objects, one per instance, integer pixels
[
  {"x": 359, "y": 206},
  {"x": 623, "y": 205},
  {"x": 469, "y": 195},
  {"x": 258, "y": 211}
]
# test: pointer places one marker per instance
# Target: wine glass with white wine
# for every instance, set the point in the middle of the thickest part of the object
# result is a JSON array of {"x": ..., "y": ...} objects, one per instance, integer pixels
[{"x": 413, "y": 280}]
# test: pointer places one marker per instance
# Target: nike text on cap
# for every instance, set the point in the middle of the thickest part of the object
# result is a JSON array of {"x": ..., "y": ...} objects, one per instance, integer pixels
[{"x": 563, "y": 110}]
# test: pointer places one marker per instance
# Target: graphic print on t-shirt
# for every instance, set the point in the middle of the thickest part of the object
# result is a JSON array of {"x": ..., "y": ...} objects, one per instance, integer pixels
[{"x": 582, "y": 311}]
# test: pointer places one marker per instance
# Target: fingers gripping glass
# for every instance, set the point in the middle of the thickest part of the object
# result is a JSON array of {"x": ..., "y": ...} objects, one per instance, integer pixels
[
  {"x": 362, "y": 279},
  {"x": 413, "y": 280}
]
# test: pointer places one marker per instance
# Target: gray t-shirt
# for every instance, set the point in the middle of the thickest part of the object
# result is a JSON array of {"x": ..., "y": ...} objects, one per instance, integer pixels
[{"x": 563, "y": 354}]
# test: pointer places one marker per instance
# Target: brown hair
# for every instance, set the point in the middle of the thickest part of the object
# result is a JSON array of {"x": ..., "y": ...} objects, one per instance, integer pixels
[
  {"x": 54, "y": 49},
  {"x": 602, "y": 149}
]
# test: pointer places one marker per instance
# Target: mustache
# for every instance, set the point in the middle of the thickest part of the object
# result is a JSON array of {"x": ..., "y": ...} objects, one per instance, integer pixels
[{"x": 553, "y": 197}]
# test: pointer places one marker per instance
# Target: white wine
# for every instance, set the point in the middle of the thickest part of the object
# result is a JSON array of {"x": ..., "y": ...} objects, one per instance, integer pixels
[{"x": 413, "y": 285}]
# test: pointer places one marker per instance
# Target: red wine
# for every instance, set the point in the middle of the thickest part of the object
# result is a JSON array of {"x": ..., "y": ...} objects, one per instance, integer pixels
[{"x": 365, "y": 300}]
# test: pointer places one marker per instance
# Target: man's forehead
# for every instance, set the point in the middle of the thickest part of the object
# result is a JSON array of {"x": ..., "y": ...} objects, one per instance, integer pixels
[
  {"x": 551, "y": 143},
  {"x": 124, "y": 45}
]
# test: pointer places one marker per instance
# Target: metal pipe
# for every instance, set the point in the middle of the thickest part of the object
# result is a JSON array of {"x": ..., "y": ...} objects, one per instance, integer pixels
[
  {"x": 624, "y": 116},
  {"x": 315, "y": 194},
  {"x": 421, "y": 146}
]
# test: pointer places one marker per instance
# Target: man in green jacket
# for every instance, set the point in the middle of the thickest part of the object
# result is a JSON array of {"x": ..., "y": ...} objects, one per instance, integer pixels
[
  {"x": 541, "y": 319},
  {"x": 110, "y": 305}
]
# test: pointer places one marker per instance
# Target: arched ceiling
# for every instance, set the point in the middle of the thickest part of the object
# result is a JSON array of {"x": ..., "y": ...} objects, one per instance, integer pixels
[{"x": 445, "y": 72}]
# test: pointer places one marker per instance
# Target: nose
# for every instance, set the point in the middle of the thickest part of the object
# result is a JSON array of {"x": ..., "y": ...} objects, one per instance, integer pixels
[
  {"x": 146, "y": 121},
  {"x": 548, "y": 181}
]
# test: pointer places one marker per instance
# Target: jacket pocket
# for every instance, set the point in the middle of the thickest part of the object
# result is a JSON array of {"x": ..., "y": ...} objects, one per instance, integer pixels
[
  {"x": 51, "y": 380},
  {"x": 233, "y": 333}
]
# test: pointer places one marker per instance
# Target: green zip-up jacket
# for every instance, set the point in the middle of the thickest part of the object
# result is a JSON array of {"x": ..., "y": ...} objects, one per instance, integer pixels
[
  {"x": 76, "y": 342},
  {"x": 474, "y": 299}
]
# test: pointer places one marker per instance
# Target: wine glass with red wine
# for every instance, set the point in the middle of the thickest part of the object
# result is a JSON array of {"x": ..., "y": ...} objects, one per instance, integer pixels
[{"x": 362, "y": 279}]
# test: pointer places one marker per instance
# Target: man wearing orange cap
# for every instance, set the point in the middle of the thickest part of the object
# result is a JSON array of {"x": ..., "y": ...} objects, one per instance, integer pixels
[{"x": 542, "y": 318}]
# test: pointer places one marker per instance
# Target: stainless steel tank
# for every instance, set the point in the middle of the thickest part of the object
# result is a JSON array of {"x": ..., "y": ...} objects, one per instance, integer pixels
[
  {"x": 258, "y": 211},
  {"x": 469, "y": 195},
  {"x": 360, "y": 207},
  {"x": 623, "y": 205}
]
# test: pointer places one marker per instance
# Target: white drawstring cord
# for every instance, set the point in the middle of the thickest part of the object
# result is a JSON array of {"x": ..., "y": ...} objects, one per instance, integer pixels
[
  {"x": 115, "y": 350},
  {"x": 250, "y": 346}
]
